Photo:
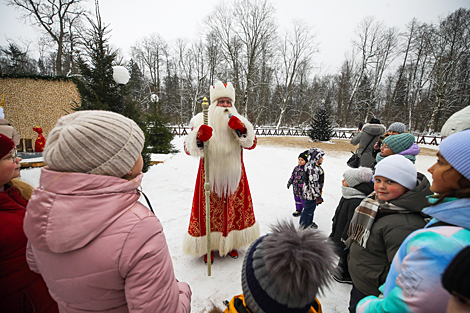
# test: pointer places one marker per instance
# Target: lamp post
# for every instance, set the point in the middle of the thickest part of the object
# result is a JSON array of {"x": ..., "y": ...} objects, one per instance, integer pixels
[{"x": 121, "y": 77}]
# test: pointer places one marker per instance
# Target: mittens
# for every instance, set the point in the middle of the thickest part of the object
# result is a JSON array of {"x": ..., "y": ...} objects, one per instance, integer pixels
[
  {"x": 235, "y": 123},
  {"x": 288, "y": 184},
  {"x": 204, "y": 133},
  {"x": 319, "y": 200}
]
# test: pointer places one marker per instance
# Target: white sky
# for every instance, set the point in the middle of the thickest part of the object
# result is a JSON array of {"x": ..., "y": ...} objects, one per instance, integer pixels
[{"x": 334, "y": 21}]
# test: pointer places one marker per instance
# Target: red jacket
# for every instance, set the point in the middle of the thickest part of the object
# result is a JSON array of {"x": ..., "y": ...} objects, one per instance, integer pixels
[{"x": 21, "y": 290}]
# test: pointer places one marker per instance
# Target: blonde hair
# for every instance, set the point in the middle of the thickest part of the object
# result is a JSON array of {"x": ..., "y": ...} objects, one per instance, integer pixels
[{"x": 25, "y": 189}]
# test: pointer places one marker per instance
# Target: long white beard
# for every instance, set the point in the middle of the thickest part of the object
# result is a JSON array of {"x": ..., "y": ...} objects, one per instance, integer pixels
[{"x": 224, "y": 152}]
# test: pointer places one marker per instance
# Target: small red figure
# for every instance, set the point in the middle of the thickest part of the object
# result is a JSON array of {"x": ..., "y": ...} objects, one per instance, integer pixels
[{"x": 40, "y": 141}]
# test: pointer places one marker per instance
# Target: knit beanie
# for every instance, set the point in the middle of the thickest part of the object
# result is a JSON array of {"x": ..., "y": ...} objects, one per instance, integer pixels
[
  {"x": 355, "y": 176},
  {"x": 399, "y": 169},
  {"x": 400, "y": 142},
  {"x": 284, "y": 270},
  {"x": 397, "y": 127},
  {"x": 94, "y": 142},
  {"x": 304, "y": 155},
  {"x": 6, "y": 145},
  {"x": 456, "y": 150},
  {"x": 456, "y": 277}
]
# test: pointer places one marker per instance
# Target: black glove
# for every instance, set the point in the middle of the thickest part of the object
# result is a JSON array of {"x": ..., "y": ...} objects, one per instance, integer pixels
[{"x": 288, "y": 184}]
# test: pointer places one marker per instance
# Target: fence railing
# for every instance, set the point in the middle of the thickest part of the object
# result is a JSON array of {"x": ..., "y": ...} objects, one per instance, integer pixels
[{"x": 338, "y": 133}]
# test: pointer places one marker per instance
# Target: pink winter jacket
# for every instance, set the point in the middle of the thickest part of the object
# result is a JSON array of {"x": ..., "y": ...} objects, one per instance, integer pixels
[{"x": 98, "y": 248}]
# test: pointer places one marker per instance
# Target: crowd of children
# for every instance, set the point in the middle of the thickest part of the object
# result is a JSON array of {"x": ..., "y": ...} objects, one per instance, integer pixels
[{"x": 383, "y": 240}]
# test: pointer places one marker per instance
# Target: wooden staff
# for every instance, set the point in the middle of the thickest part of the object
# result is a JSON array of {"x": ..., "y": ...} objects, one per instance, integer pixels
[{"x": 207, "y": 187}]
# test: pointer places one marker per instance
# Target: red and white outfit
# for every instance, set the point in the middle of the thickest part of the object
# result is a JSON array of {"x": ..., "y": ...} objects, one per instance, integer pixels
[{"x": 233, "y": 223}]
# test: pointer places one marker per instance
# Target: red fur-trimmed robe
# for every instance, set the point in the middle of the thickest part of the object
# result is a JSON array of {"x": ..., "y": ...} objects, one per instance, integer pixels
[{"x": 233, "y": 223}]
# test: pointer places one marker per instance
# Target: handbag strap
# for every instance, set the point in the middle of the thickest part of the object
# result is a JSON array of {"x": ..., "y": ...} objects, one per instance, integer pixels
[{"x": 367, "y": 145}]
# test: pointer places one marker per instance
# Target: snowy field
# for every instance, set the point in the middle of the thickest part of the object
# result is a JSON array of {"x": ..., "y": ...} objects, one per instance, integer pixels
[{"x": 170, "y": 188}]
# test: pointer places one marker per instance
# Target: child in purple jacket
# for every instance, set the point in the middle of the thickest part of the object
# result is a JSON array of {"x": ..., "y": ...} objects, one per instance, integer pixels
[{"x": 296, "y": 179}]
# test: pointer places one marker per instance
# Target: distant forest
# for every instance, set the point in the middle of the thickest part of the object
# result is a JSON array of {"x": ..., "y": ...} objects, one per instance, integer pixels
[{"x": 419, "y": 76}]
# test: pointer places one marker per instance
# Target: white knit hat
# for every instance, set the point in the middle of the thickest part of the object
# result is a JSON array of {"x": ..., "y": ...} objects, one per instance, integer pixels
[
  {"x": 94, "y": 142},
  {"x": 355, "y": 176},
  {"x": 221, "y": 90},
  {"x": 399, "y": 169}
]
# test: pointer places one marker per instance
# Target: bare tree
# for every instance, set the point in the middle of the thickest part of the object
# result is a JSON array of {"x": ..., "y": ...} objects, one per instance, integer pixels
[
  {"x": 449, "y": 44},
  {"x": 296, "y": 51},
  {"x": 243, "y": 30},
  {"x": 149, "y": 52},
  {"x": 55, "y": 17}
]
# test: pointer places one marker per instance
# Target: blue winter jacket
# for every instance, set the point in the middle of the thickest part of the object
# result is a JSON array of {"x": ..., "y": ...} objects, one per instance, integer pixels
[{"x": 413, "y": 283}]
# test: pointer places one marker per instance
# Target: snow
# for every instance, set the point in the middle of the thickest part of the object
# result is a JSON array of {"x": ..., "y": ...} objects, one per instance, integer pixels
[{"x": 170, "y": 187}]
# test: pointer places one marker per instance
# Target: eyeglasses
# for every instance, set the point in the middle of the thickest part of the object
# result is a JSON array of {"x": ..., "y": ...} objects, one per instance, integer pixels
[{"x": 13, "y": 155}]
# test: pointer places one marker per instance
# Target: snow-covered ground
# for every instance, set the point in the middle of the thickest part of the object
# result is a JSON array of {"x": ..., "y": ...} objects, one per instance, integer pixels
[{"x": 170, "y": 188}]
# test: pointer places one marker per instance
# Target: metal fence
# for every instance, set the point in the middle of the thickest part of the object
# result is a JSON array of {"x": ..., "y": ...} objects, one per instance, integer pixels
[{"x": 338, "y": 133}]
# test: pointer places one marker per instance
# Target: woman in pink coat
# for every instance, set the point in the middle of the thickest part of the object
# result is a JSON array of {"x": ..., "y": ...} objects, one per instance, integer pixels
[{"x": 97, "y": 247}]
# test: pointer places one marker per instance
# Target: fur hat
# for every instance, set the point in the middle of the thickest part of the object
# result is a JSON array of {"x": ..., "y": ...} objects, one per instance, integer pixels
[
  {"x": 220, "y": 90},
  {"x": 397, "y": 127},
  {"x": 6, "y": 145},
  {"x": 459, "y": 121},
  {"x": 374, "y": 121},
  {"x": 400, "y": 142},
  {"x": 355, "y": 176},
  {"x": 456, "y": 149},
  {"x": 399, "y": 169},
  {"x": 304, "y": 155},
  {"x": 94, "y": 142},
  {"x": 456, "y": 277},
  {"x": 284, "y": 270}
]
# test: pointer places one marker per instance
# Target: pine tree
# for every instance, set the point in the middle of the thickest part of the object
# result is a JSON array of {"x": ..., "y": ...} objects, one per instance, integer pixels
[
  {"x": 160, "y": 136},
  {"x": 321, "y": 129}
]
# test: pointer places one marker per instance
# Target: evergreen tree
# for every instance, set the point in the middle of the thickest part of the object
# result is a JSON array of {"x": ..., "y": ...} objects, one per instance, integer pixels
[
  {"x": 321, "y": 129},
  {"x": 160, "y": 136},
  {"x": 97, "y": 87}
]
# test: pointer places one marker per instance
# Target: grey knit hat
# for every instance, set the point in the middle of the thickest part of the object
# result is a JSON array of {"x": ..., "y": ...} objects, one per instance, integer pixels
[
  {"x": 355, "y": 176},
  {"x": 94, "y": 142},
  {"x": 284, "y": 270},
  {"x": 397, "y": 127}
]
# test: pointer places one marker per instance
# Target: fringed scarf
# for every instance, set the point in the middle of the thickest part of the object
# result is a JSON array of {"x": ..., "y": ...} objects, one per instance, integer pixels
[{"x": 364, "y": 217}]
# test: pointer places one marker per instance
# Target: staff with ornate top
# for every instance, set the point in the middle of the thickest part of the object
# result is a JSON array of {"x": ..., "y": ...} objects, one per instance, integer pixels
[{"x": 207, "y": 184}]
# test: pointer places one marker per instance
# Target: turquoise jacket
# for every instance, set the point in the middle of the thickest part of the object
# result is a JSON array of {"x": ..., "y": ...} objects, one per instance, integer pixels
[{"x": 413, "y": 283}]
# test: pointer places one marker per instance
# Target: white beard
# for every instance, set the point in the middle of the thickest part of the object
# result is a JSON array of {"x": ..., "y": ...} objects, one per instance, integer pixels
[{"x": 224, "y": 152}]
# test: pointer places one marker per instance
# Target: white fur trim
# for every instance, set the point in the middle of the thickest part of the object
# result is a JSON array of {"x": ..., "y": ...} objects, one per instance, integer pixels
[
  {"x": 190, "y": 142},
  {"x": 236, "y": 239},
  {"x": 246, "y": 140},
  {"x": 219, "y": 90}
]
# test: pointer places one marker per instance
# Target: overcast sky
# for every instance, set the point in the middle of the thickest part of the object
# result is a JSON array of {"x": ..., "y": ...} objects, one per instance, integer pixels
[{"x": 333, "y": 21}]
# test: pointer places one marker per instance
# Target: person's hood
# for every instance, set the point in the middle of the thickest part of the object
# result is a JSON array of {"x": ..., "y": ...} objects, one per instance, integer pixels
[
  {"x": 315, "y": 154},
  {"x": 366, "y": 187},
  {"x": 413, "y": 150},
  {"x": 68, "y": 210},
  {"x": 374, "y": 129},
  {"x": 415, "y": 200},
  {"x": 456, "y": 212}
]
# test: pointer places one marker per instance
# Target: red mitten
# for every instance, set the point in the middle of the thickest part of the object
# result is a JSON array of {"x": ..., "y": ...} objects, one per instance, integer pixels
[
  {"x": 204, "y": 133},
  {"x": 235, "y": 123}
]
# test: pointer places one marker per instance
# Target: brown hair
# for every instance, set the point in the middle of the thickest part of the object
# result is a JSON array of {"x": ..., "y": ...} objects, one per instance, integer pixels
[{"x": 462, "y": 192}]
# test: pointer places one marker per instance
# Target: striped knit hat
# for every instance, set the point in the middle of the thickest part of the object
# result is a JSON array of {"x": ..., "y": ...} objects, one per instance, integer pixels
[
  {"x": 94, "y": 142},
  {"x": 284, "y": 270},
  {"x": 456, "y": 149}
]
